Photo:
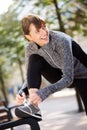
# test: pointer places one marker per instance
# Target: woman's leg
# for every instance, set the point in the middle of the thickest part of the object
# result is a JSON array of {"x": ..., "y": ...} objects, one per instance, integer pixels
[
  {"x": 37, "y": 67},
  {"x": 81, "y": 86},
  {"x": 79, "y": 53}
]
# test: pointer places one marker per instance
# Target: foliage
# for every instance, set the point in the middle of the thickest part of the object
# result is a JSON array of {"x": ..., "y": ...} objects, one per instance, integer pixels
[
  {"x": 71, "y": 15},
  {"x": 11, "y": 43}
]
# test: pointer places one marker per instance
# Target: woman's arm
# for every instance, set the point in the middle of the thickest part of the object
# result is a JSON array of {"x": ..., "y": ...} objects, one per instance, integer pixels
[{"x": 66, "y": 63}]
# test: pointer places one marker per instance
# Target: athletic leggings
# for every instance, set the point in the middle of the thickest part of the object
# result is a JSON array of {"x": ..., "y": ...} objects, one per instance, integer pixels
[{"x": 38, "y": 66}]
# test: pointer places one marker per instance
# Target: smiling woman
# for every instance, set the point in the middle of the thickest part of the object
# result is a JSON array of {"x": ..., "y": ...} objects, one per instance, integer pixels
[{"x": 4, "y": 4}]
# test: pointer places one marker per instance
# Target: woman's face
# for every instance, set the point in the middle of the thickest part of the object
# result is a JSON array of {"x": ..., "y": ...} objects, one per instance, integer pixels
[{"x": 40, "y": 36}]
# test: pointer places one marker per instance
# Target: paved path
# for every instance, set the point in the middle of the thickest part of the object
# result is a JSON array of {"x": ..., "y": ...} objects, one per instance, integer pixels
[{"x": 60, "y": 113}]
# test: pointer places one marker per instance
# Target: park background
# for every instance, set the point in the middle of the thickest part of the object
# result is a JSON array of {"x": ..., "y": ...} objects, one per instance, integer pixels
[{"x": 69, "y": 16}]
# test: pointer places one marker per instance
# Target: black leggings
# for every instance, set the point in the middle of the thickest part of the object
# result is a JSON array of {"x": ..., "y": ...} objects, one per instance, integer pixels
[
  {"x": 38, "y": 67},
  {"x": 79, "y": 53}
]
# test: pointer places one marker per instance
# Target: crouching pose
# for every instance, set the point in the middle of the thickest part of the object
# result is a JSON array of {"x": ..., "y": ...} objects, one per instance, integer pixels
[{"x": 57, "y": 57}]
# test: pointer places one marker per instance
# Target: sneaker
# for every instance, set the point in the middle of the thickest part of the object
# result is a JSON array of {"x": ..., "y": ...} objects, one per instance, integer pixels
[{"x": 27, "y": 110}]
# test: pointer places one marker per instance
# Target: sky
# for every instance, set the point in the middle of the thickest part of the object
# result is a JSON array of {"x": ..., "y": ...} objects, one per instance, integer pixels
[{"x": 4, "y": 4}]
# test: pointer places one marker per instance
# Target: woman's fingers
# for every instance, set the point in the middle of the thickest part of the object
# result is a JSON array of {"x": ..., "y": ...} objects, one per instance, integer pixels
[
  {"x": 35, "y": 99},
  {"x": 20, "y": 99}
]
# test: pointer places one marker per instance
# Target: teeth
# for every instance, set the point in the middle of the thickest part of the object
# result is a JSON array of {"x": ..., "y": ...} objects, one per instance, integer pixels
[{"x": 44, "y": 38}]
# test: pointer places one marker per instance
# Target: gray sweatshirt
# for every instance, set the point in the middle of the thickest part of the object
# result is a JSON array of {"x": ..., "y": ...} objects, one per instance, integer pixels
[{"x": 58, "y": 53}]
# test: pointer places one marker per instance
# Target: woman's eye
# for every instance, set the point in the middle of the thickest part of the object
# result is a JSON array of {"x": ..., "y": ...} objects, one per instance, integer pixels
[
  {"x": 44, "y": 27},
  {"x": 37, "y": 31}
]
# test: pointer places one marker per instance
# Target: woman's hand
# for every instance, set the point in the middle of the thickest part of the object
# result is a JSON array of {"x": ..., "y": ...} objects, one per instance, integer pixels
[
  {"x": 20, "y": 98},
  {"x": 34, "y": 97}
]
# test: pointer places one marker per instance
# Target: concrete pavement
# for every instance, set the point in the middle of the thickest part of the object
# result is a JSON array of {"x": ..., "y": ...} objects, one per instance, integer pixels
[
  {"x": 63, "y": 115},
  {"x": 60, "y": 112}
]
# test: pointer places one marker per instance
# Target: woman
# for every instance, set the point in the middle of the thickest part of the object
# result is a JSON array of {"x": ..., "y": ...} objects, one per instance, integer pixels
[{"x": 57, "y": 57}]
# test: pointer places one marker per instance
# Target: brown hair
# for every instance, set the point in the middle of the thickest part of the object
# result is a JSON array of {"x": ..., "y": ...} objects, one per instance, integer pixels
[{"x": 31, "y": 19}]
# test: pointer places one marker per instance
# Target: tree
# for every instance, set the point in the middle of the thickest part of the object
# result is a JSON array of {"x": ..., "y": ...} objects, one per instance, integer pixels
[
  {"x": 11, "y": 47},
  {"x": 4, "y": 73},
  {"x": 11, "y": 38}
]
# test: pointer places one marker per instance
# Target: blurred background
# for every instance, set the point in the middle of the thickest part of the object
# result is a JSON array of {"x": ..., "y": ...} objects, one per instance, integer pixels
[{"x": 68, "y": 16}]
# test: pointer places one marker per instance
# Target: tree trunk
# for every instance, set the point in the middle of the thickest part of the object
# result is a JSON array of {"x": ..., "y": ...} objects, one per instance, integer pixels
[
  {"x": 21, "y": 70},
  {"x": 59, "y": 16},
  {"x": 3, "y": 86}
]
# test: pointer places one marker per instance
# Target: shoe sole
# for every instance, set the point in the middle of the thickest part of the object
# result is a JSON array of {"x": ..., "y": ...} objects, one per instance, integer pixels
[{"x": 22, "y": 114}]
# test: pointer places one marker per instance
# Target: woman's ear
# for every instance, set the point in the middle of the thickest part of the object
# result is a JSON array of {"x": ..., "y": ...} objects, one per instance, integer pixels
[{"x": 28, "y": 37}]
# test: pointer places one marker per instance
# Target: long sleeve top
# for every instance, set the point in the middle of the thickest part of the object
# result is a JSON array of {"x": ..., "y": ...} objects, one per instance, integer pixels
[{"x": 59, "y": 54}]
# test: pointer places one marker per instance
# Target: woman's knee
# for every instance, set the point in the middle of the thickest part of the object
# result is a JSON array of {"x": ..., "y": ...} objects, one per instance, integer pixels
[
  {"x": 34, "y": 58},
  {"x": 35, "y": 61}
]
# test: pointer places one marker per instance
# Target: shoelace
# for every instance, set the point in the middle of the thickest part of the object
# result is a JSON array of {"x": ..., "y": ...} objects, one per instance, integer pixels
[{"x": 25, "y": 104}]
